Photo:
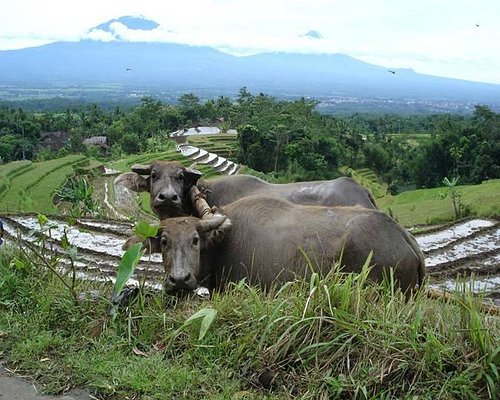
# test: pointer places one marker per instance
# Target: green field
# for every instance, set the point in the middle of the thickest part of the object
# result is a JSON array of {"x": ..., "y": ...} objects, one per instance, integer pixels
[
  {"x": 426, "y": 206},
  {"x": 29, "y": 187},
  {"x": 224, "y": 145}
]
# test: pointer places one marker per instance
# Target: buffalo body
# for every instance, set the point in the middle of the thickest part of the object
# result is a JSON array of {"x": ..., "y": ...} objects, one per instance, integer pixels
[
  {"x": 169, "y": 184},
  {"x": 266, "y": 240}
]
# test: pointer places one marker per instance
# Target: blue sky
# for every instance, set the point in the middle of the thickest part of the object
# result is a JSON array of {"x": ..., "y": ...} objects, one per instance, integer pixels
[{"x": 452, "y": 38}]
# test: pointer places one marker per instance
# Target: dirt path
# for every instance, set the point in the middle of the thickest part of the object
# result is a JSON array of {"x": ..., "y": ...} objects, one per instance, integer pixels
[{"x": 14, "y": 387}]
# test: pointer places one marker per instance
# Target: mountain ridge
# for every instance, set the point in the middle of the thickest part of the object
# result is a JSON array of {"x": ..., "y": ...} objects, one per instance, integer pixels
[{"x": 171, "y": 66}]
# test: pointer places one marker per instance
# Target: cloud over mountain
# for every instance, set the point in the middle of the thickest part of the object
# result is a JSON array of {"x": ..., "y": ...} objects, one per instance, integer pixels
[{"x": 127, "y": 28}]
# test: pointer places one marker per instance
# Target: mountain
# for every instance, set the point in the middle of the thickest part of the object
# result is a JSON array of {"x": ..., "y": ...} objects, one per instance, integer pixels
[
  {"x": 167, "y": 68},
  {"x": 312, "y": 35}
]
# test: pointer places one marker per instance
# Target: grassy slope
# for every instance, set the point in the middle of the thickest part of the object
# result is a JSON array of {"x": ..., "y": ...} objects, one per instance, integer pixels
[
  {"x": 368, "y": 179},
  {"x": 31, "y": 188},
  {"x": 223, "y": 145},
  {"x": 426, "y": 206},
  {"x": 321, "y": 339}
]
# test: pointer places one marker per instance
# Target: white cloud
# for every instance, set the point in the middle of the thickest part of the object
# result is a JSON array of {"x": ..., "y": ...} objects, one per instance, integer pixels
[{"x": 435, "y": 37}]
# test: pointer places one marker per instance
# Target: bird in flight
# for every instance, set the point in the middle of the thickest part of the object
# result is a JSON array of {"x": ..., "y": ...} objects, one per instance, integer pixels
[{"x": 392, "y": 72}]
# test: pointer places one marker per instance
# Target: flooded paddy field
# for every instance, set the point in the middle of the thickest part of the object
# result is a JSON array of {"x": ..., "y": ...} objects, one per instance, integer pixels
[{"x": 460, "y": 250}]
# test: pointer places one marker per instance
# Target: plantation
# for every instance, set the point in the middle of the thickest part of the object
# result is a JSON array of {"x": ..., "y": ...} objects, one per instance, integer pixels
[{"x": 224, "y": 145}]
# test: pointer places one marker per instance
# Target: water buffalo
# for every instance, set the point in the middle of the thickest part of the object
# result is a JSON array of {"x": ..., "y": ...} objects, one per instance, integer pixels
[
  {"x": 264, "y": 239},
  {"x": 169, "y": 184}
]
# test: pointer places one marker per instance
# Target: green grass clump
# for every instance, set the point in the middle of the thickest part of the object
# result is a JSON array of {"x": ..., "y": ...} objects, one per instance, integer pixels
[
  {"x": 427, "y": 206},
  {"x": 331, "y": 337}
]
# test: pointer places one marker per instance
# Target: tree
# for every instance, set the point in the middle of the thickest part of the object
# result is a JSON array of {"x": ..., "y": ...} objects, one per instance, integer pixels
[{"x": 131, "y": 143}]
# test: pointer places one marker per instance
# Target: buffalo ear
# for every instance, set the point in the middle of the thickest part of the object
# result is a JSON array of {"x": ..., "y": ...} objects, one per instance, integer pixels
[
  {"x": 192, "y": 174},
  {"x": 213, "y": 230},
  {"x": 142, "y": 169},
  {"x": 133, "y": 181},
  {"x": 152, "y": 245}
]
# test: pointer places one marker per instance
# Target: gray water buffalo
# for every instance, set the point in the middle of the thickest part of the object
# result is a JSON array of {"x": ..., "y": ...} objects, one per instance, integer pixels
[
  {"x": 169, "y": 184},
  {"x": 265, "y": 239}
]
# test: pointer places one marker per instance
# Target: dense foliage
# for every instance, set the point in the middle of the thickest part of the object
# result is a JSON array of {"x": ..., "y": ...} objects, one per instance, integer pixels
[{"x": 289, "y": 140}]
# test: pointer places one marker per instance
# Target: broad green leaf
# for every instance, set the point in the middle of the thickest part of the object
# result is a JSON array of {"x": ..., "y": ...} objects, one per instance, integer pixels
[
  {"x": 129, "y": 261},
  {"x": 207, "y": 316},
  {"x": 42, "y": 219},
  {"x": 145, "y": 230},
  {"x": 18, "y": 264}
]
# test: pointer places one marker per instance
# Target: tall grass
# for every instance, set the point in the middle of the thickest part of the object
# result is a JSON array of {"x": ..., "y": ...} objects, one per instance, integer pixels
[{"x": 338, "y": 336}]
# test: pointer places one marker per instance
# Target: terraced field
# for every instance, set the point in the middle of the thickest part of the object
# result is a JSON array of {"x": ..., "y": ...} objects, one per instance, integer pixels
[
  {"x": 28, "y": 186},
  {"x": 463, "y": 249},
  {"x": 367, "y": 178},
  {"x": 224, "y": 145}
]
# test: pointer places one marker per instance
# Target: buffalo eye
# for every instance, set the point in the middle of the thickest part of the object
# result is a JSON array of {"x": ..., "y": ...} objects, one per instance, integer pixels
[
  {"x": 196, "y": 241},
  {"x": 153, "y": 175},
  {"x": 164, "y": 241},
  {"x": 181, "y": 177}
]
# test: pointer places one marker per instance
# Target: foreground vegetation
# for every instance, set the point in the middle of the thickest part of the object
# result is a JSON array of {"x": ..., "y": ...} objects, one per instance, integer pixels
[{"x": 336, "y": 337}]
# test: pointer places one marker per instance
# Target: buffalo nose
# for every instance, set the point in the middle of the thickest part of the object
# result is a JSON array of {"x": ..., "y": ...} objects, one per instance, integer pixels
[
  {"x": 164, "y": 197},
  {"x": 180, "y": 281}
]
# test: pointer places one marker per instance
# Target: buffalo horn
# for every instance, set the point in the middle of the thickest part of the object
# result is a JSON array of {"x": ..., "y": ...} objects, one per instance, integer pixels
[
  {"x": 206, "y": 225},
  {"x": 141, "y": 169},
  {"x": 194, "y": 174}
]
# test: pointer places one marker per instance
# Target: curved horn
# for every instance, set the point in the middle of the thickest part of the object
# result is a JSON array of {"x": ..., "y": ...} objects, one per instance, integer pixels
[
  {"x": 142, "y": 169},
  {"x": 206, "y": 225},
  {"x": 193, "y": 174}
]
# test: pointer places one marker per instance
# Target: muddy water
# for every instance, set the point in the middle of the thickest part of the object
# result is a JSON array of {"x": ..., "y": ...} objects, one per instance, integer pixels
[
  {"x": 464, "y": 249},
  {"x": 98, "y": 242},
  {"x": 455, "y": 253}
]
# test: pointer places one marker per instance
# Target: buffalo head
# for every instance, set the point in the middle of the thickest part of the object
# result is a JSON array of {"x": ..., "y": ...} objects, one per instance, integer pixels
[
  {"x": 168, "y": 184},
  {"x": 180, "y": 241}
]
